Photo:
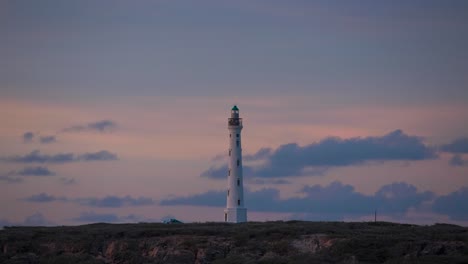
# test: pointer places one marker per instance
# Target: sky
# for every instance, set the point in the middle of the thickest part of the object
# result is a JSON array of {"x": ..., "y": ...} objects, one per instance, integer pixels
[{"x": 116, "y": 111}]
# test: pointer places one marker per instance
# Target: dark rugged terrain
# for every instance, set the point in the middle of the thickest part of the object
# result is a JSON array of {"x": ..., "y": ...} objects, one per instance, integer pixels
[{"x": 270, "y": 242}]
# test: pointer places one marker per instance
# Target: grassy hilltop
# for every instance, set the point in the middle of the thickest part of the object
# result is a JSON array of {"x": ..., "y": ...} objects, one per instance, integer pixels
[{"x": 269, "y": 242}]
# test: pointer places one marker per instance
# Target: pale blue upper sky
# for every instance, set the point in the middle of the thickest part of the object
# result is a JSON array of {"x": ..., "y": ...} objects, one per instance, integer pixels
[{"x": 374, "y": 50}]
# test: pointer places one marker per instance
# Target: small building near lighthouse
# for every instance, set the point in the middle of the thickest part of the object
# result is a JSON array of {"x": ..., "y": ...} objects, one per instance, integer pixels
[{"x": 235, "y": 211}]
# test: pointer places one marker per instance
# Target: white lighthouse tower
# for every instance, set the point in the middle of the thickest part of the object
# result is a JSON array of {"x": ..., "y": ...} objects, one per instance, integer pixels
[{"x": 235, "y": 211}]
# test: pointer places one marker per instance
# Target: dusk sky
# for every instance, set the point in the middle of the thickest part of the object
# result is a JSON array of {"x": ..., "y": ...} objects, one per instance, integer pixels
[{"x": 116, "y": 111}]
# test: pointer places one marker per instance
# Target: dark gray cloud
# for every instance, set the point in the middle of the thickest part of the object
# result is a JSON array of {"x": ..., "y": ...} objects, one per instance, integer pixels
[
  {"x": 218, "y": 172},
  {"x": 6, "y": 222},
  {"x": 103, "y": 125},
  {"x": 268, "y": 181},
  {"x": 459, "y": 146},
  {"x": 457, "y": 160},
  {"x": 37, "y": 157},
  {"x": 35, "y": 171},
  {"x": 14, "y": 176},
  {"x": 115, "y": 201},
  {"x": 253, "y": 172},
  {"x": 44, "y": 198},
  {"x": 9, "y": 179},
  {"x": 36, "y": 219},
  {"x": 334, "y": 199},
  {"x": 314, "y": 159},
  {"x": 261, "y": 154},
  {"x": 67, "y": 181},
  {"x": 398, "y": 197},
  {"x": 108, "y": 201},
  {"x": 99, "y": 126},
  {"x": 454, "y": 204},
  {"x": 48, "y": 139},
  {"x": 92, "y": 217},
  {"x": 28, "y": 137},
  {"x": 98, "y": 156},
  {"x": 210, "y": 198}
]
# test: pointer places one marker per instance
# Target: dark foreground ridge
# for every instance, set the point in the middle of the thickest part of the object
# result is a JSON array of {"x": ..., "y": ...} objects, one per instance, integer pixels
[{"x": 269, "y": 242}]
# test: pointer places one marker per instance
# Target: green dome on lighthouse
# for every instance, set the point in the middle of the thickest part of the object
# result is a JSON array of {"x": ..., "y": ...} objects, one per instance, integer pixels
[{"x": 234, "y": 108}]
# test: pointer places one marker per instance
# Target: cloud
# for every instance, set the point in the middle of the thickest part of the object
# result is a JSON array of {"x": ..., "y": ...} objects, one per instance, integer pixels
[
  {"x": 98, "y": 156},
  {"x": 314, "y": 159},
  {"x": 36, "y": 157},
  {"x": 262, "y": 153},
  {"x": 220, "y": 172},
  {"x": 36, "y": 219},
  {"x": 457, "y": 160},
  {"x": 35, "y": 171},
  {"x": 99, "y": 126},
  {"x": 9, "y": 179},
  {"x": 458, "y": 146},
  {"x": 27, "y": 171},
  {"x": 48, "y": 139},
  {"x": 220, "y": 157},
  {"x": 268, "y": 181},
  {"x": 398, "y": 197},
  {"x": 67, "y": 181},
  {"x": 453, "y": 204},
  {"x": 105, "y": 202},
  {"x": 115, "y": 201},
  {"x": 28, "y": 137},
  {"x": 103, "y": 125},
  {"x": 44, "y": 198},
  {"x": 92, "y": 217},
  {"x": 210, "y": 198},
  {"x": 333, "y": 199},
  {"x": 5, "y": 222},
  {"x": 251, "y": 172}
]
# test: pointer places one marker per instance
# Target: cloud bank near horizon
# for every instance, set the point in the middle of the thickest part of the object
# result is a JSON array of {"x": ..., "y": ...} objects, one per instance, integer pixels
[
  {"x": 290, "y": 160},
  {"x": 338, "y": 200},
  {"x": 36, "y": 156},
  {"x": 98, "y": 126},
  {"x": 109, "y": 201}
]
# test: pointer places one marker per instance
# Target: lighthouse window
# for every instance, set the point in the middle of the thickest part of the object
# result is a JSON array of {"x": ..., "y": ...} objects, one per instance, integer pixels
[
  {"x": 229, "y": 172},
  {"x": 237, "y": 142},
  {"x": 237, "y": 135},
  {"x": 238, "y": 182},
  {"x": 229, "y": 153},
  {"x": 238, "y": 202},
  {"x": 228, "y": 192},
  {"x": 229, "y": 135},
  {"x": 238, "y": 162}
]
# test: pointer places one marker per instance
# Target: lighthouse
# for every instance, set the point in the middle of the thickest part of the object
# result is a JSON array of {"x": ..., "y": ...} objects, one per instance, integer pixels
[{"x": 235, "y": 211}]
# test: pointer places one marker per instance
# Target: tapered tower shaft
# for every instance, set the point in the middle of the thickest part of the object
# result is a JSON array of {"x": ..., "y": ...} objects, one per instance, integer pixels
[{"x": 235, "y": 211}]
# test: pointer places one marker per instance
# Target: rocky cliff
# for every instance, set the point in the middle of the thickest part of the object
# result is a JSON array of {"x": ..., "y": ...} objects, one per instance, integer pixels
[{"x": 270, "y": 242}]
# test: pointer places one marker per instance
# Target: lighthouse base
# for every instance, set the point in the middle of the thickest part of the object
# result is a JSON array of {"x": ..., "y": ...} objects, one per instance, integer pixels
[{"x": 235, "y": 215}]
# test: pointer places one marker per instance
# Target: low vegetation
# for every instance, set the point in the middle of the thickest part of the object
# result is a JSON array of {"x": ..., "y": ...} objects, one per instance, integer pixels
[{"x": 253, "y": 242}]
